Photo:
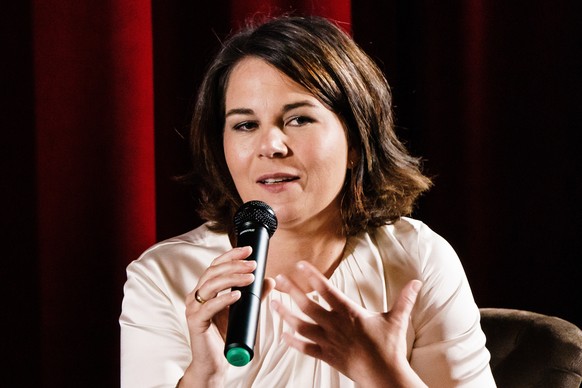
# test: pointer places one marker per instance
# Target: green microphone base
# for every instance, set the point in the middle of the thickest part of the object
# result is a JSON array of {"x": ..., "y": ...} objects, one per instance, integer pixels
[{"x": 238, "y": 356}]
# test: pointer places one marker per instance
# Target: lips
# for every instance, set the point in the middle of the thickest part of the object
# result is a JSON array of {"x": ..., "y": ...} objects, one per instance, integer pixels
[{"x": 276, "y": 179}]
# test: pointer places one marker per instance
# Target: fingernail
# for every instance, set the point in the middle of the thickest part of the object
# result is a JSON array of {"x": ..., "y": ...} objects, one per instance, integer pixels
[
  {"x": 280, "y": 279},
  {"x": 416, "y": 285}
]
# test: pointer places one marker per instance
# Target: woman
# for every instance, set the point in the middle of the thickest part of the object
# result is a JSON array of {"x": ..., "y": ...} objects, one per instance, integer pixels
[{"x": 294, "y": 114}]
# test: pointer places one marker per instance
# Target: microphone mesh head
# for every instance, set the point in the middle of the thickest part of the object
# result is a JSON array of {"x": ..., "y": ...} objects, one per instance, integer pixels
[{"x": 256, "y": 211}]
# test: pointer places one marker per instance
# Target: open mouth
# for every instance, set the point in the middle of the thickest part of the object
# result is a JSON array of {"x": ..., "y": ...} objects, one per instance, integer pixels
[{"x": 274, "y": 181}]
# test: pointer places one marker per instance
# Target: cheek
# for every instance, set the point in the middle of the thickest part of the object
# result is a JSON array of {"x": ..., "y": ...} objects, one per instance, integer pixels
[
  {"x": 331, "y": 168},
  {"x": 231, "y": 150},
  {"x": 231, "y": 156},
  {"x": 228, "y": 156},
  {"x": 237, "y": 148},
  {"x": 236, "y": 155}
]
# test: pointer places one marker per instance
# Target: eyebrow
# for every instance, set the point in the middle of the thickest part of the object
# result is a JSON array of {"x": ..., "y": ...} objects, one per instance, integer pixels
[
  {"x": 286, "y": 108},
  {"x": 239, "y": 111},
  {"x": 298, "y": 104}
]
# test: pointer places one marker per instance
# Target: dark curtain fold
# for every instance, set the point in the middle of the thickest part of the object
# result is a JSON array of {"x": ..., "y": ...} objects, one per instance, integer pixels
[
  {"x": 93, "y": 74},
  {"x": 97, "y": 97}
]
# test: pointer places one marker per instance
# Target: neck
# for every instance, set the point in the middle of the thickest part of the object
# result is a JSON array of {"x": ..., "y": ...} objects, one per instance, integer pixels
[{"x": 323, "y": 250}]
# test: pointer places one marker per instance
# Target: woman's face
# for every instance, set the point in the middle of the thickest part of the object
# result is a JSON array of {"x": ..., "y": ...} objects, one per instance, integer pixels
[{"x": 284, "y": 147}]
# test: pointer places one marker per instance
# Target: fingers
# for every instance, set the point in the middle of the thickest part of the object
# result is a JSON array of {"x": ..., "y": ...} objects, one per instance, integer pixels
[
  {"x": 316, "y": 281},
  {"x": 201, "y": 317},
  {"x": 403, "y": 306},
  {"x": 268, "y": 286},
  {"x": 305, "y": 304},
  {"x": 226, "y": 271},
  {"x": 323, "y": 320},
  {"x": 308, "y": 348},
  {"x": 334, "y": 297},
  {"x": 311, "y": 332}
]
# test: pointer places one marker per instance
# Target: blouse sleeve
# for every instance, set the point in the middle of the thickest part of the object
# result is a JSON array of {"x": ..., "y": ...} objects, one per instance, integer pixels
[
  {"x": 155, "y": 348},
  {"x": 449, "y": 347}
]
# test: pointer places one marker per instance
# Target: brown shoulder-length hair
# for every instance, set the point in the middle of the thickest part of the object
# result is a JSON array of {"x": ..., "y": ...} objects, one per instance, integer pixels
[{"x": 384, "y": 182}]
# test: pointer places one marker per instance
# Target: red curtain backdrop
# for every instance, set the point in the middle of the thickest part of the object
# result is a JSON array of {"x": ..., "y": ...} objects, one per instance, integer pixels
[
  {"x": 96, "y": 100},
  {"x": 93, "y": 72}
]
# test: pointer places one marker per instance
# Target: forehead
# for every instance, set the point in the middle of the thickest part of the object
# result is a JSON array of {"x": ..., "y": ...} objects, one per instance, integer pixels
[{"x": 252, "y": 73}]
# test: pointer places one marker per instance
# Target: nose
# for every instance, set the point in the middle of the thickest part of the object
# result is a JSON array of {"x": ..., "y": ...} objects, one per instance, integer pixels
[{"x": 273, "y": 143}]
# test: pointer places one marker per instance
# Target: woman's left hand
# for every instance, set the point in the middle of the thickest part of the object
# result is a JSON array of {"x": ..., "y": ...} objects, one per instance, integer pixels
[{"x": 368, "y": 347}]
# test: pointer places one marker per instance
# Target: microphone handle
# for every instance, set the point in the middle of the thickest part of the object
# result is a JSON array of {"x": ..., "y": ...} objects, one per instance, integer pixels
[{"x": 243, "y": 317}]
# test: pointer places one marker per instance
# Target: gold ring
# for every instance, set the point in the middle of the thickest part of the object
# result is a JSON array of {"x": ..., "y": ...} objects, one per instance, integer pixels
[{"x": 198, "y": 298}]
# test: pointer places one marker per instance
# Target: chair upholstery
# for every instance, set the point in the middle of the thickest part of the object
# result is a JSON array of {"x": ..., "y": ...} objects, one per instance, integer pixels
[{"x": 532, "y": 350}]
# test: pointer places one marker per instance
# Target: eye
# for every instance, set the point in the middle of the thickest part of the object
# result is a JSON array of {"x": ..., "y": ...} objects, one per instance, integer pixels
[
  {"x": 245, "y": 126},
  {"x": 299, "y": 121}
]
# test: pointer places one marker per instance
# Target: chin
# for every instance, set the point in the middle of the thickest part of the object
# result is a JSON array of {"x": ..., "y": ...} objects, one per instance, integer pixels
[
  {"x": 281, "y": 211},
  {"x": 286, "y": 215}
]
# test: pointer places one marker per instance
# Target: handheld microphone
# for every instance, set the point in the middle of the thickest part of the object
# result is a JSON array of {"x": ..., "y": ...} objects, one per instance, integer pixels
[{"x": 255, "y": 222}]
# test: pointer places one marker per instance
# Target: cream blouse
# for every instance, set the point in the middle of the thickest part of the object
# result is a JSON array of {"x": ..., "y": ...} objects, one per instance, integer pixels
[{"x": 446, "y": 345}]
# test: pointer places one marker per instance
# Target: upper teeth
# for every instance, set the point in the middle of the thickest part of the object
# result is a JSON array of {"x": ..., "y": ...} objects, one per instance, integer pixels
[{"x": 275, "y": 180}]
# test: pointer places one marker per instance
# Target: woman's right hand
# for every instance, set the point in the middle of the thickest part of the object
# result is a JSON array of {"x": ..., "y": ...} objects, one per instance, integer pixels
[{"x": 207, "y": 321}]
